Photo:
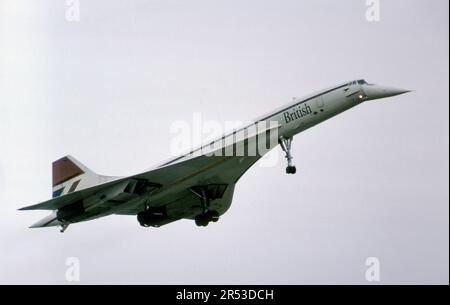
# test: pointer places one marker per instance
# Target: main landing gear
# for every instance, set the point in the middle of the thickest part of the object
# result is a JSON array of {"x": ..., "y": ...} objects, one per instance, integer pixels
[
  {"x": 285, "y": 144},
  {"x": 207, "y": 215},
  {"x": 204, "y": 219},
  {"x": 151, "y": 216}
]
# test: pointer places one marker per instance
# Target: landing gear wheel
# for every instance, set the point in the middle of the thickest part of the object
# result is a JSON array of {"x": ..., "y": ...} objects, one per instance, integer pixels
[
  {"x": 214, "y": 216},
  {"x": 204, "y": 219},
  {"x": 201, "y": 221},
  {"x": 142, "y": 219},
  {"x": 291, "y": 170}
]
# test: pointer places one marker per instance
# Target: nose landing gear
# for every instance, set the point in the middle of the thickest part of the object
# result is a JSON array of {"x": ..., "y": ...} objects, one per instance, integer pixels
[{"x": 285, "y": 144}]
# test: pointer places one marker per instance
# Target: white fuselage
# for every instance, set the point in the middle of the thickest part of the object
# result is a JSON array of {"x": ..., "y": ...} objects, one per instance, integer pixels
[
  {"x": 311, "y": 110},
  {"x": 294, "y": 117}
]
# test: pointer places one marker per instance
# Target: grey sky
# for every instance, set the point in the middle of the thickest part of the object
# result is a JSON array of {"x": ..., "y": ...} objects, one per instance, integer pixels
[{"x": 371, "y": 182}]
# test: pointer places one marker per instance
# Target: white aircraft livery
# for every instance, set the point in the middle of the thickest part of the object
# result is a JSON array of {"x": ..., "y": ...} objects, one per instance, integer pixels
[{"x": 198, "y": 185}]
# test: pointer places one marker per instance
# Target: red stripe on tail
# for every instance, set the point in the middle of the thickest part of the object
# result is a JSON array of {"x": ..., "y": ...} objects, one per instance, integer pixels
[{"x": 63, "y": 170}]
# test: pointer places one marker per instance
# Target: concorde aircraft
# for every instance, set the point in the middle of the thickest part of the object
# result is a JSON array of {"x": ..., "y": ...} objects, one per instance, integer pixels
[{"x": 198, "y": 185}]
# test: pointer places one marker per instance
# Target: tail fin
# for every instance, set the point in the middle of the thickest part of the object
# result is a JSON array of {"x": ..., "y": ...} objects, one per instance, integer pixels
[{"x": 70, "y": 175}]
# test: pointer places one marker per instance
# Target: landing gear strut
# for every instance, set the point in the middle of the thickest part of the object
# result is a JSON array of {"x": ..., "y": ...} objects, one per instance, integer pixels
[
  {"x": 207, "y": 215},
  {"x": 285, "y": 144},
  {"x": 64, "y": 227}
]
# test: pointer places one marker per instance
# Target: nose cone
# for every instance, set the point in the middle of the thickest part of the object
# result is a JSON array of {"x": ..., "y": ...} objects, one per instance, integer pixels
[{"x": 376, "y": 92}]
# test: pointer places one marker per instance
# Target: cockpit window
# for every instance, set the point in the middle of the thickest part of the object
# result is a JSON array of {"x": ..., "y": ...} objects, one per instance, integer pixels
[
  {"x": 355, "y": 82},
  {"x": 358, "y": 82}
]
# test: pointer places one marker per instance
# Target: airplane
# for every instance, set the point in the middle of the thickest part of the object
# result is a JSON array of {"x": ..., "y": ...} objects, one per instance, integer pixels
[{"x": 198, "y": 185}]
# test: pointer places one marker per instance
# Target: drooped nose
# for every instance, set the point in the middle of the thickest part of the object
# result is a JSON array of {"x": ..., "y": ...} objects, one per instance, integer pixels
[{"x": 376, "y": 92}]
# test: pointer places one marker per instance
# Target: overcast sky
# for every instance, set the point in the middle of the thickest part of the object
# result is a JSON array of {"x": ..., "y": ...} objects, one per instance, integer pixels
[{"x": 372, "y": 182}]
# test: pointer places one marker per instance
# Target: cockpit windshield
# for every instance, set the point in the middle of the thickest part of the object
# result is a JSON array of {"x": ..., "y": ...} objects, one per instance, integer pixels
[{"x": 358, "y": 82}]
